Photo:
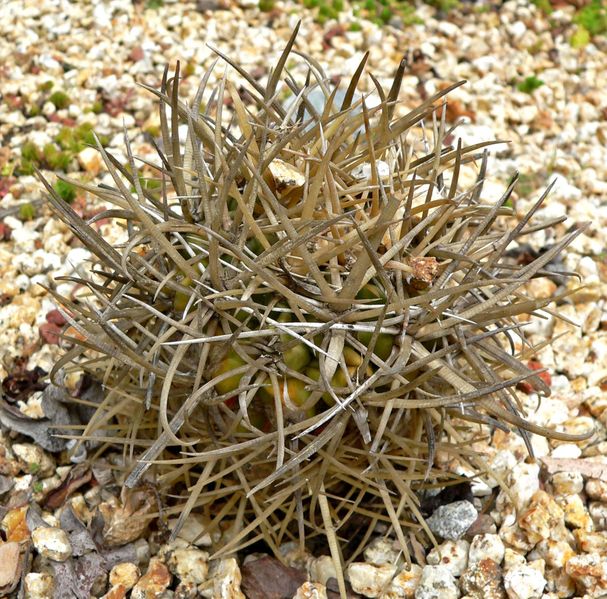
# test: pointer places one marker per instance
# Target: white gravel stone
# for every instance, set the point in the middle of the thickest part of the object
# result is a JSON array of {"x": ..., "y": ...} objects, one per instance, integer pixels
[
  {"x": 437, "y": 582},
  {"x": 126, "y": 574},
  {"x": 189, "y": 565},
  {"x": 311, "y": 590},
  {"x": 52, "y": 543},
  {"x": 451, "y": 521},
  {"x": 381, "y": 551},
  {"x": 486, "y": 546},
  {"x": 524, "y": 482},
  {"x": 38, "y": 585},
  {"x": 370, "y": 580},
  {"x": 321, "y": 569},
  {"x": 404, "y": 584},
  {"x": 524, "y": 582},
  {"x": 451, "y": 554},
  {"x": 567, "y": 483}
]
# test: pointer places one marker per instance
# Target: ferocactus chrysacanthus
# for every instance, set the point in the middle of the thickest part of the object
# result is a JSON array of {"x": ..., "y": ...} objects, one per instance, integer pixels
[{"x": 309, "y": 307}]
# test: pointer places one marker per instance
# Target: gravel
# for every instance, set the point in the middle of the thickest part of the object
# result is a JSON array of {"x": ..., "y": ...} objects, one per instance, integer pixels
[{"x": 545, "y": 537}]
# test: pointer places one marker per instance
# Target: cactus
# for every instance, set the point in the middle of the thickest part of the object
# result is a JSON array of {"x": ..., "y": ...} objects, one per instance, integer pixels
[{"x": 308, "y": 308}]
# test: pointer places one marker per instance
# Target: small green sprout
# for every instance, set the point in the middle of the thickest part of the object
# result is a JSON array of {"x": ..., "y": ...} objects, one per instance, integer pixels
[{"x": 529, "y": 84}]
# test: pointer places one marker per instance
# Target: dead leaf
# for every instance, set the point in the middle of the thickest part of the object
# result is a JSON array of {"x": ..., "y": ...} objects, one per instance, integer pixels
[
  {"x": 79, "y": 475},
  {"x": 267, "y": 578},
  {"x": 41, "y": 430},
  {"x": 21, "y": 383},
  {"x": 10, "y": 567},
  {"x": 127, "y": 522},
  {"x": 77, "y": 576}
]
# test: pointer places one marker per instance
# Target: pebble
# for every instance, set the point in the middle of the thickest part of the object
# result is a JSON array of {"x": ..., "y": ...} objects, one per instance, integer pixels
[
  {"x": 311, "y": 590},
  {"x": 524, "y": 482},
  {"x": 38, "y": 585},
  {"x": 524, "y": 582},
  {"x": 37, "y": 461},
  {"x": 542, "y": 519},
  {"x": 91, "y": 161},
  {"x": 567, "y": 483},
  {"x": 437, "y": 582},
  {"x": 598, "y": 513},
  {"x": 451, "y": 554},
  {"x": 483, "y": 580},
  {"x": 570, "y": 143},
  {"x": 224, "y": 581},
  {"x": 555, "y": 553},
  {"x": 156, "y": 579},
  {"x": 125, "y": 574},
  {"x": 381, "y": 551},
  {"x": 321, "y": 569},
  {"x": 451, "y": 521},
  {"x": 52, "y": 543},
  {"x": 403, "y": 585},
  {"x": 9, "y": 564},
  {"x": 368, "y": 579},
  {"x": 193, "y": 531},
  {"x": 486, "y": 546},
  {"x": 590, "y": 571},
  {"x": 575, "y": 512},
  {"x": 191, "y": 566}
]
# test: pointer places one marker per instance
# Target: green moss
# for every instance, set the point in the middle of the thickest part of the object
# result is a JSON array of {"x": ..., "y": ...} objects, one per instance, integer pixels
[
  {"x": 38, "y": 487},
  {"x": 97, "y": 107},
  {"x": 154, "y": 4},
  {"x": 356, "y": 26},
  {"x": 338, "y": 5},
  {"x": 65, "y": 139},
  {"x": 47, "y": 86},
  {"x": 266, "y": 5},
  {"x": 75, "y": 140},
  {"x": 56, "y": 159},
  {"x": 593, "y": 17},
  {"x": 27, "y": 212},
  {"x": 60, "y": 100},
  {"x": 529, "y": 84},
  {"x": 30, "y": 151},
  {"x": 65, "y": 190},
  {"x": 385, "y": 15},
  {"x": 543, "y": 5},
  {"x": 580, "y": 37},
  {"x": 444, "y": 5}
]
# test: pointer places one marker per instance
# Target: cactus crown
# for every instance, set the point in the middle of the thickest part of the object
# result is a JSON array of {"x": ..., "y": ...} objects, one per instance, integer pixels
[{"x": 307, "y": 309}]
